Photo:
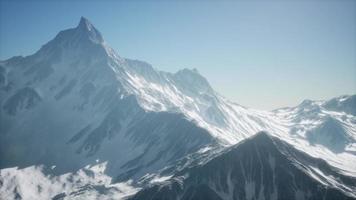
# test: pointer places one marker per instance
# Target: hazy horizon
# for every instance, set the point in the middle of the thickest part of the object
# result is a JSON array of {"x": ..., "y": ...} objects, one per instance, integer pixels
[{"x": 262, "y": 55}]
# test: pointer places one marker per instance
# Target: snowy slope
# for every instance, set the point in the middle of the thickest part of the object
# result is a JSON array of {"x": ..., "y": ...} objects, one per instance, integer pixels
[
  {"x": 37, "y": 182},
  {"x": 187, "y": 92}
]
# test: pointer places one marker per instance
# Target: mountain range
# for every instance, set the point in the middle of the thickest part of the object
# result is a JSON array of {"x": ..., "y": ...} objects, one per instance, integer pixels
[{"x": 78, "y": 121}]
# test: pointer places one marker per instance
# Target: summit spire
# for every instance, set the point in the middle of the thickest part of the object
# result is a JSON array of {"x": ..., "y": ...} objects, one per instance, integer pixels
[
  {"x": 85, "y": 23},
  {"x": 84, "y": 36},
  {"x": 87, "y": 28}
]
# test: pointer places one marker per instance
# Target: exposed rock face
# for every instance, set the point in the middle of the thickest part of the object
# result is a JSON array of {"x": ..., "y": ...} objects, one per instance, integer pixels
[{"x": 23, "y": 99}]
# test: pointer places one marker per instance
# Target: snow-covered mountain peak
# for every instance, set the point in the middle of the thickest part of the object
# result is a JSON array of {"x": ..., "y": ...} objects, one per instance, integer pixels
[
  {"x": 345, "y": 103},
  {"x": 308, "y": 104},
  {"x": 193, "y": 72},
  {"x": 87, "y": 28},
  {"x": 85, "y": 24},
  {"x": 82, "y": 40},
  {"x": 84, "y": 32},
  {"x": 192, "y": 79}
]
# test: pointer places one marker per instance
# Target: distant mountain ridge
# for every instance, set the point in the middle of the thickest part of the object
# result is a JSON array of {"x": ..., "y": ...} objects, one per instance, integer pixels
[{"x": 261, "y": 167}]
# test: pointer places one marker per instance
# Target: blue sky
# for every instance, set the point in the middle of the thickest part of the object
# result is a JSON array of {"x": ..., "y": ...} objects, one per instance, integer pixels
[{"x": 262, "y": 54}]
